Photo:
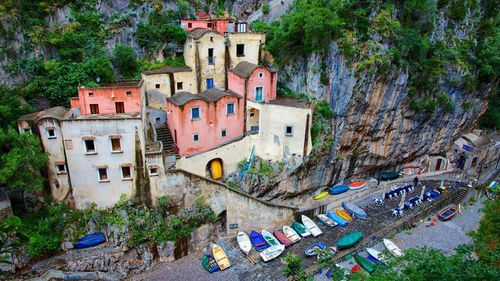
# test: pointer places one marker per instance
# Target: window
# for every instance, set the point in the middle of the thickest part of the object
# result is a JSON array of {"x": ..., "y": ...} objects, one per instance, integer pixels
[
  {"x": 190, "y": 25},
  {"x": 209, "y": 25},
  {"x": 288, "y": 131},
  {"x": 153, "y": 170},
  {"x": 240, "y": 50},
  {"x": 223, "y": 133},
  {"x": 211, "y": 39},
  {"x": 126, "y": 173},
  {"x": 129, "y": 93},
  {"x": 210, "y": 83},
  {"x": 51, "y": 133},
  {"x": 116, "y": 145},
  {"x": 196, "y": 137},
  {"x": 94, "y": 109},
  {"x": 61, "y": 168},
  {"x": 90, "y": 147},
  {"x": 120, "y": 107},
  {"x": 258, "y": 94},
  {"x": 91, "y": 94},
  {"x": 211, "y": 58},
  {"x": 179, "y": 85},
  {"x": 103, "y": 174},
  {"x": 157, "y": 86},
  {"x": 195, "y": 113},
  {"x": 261, "y": 74},
  {"x": 27, "y": 130},
  {"x": 230, "y": 108},
  {"x": 157, "y": 120}
]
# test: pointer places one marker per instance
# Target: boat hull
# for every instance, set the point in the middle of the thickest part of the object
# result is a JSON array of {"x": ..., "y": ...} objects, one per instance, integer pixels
[
  {"x": 364, "y": 263},
  {"x": 301, "y": 229},
  {"x": 321, "y": 195},
  {"x": 355, "y": 210},
  {"x": 282, "y": 238},
  {"x": 337, "y": 219},
  {"x": 339, "y": 189},
  {"x": 343, "y": 215},
  {"x": 448, "y": 213},
  {"x": 220, "y": 256},
  {"x": 357, "y": 185},
  {"x": 272, "y": 252},
  {"x": 314, "y": 249},
  {"x": 209, "y": 263},
  {"x": 349, "y": 240},
  {"x": 91, "y": 240}
]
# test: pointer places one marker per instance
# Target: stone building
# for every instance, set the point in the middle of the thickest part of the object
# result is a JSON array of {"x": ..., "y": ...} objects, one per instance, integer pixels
[{"x": 476, "y": 151}]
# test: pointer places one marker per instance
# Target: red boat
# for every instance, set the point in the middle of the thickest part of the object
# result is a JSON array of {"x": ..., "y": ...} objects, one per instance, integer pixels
[
  {"x": 448, "y": 213},
  {"x": 282, "y": 238}
]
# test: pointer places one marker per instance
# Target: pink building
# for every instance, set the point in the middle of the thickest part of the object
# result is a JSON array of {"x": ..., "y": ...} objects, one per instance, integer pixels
[
  {"x": 257, "y": 83},
  {"x": 222, "y": 26},
  {"x": 110, "y": 98},
  {"x": 202, "y": 122}
]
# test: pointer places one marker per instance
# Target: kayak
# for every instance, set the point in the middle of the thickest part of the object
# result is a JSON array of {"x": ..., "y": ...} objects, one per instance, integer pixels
[
  {"x": 327, "y": 253},
  {"x": 349, "y": 239},
  {"x": 343, "y": 214},
  {"x": 311, "y": 226},
  {"x": 321, "y": 195},
  {"x": 314, "y": 249},
  {"x": 364, "y": 263},
  {"x": 258, "y": 241},
  {"x": 272, "y": 252},
  {"x": 357, "y": 185},
  {"x": 301, "y": 229},
  {"x": 282, "y": 238},
  {"x": 291, "y": 234},
  {"x": 326, "y": 220},
  {"x": 354, "y": 210},
  {"x": 448, "y": 213},
  {"x": 337, "y": 219},
  {"x": 244, "y": 242},
  {"x": 377, "y": 255},
  {"x": 209, "y": 263},
  {"x": 392, "y": 248},
  {"x": 90, "y": 240},
  {"x": 338, "y": 189},
  {"x": 271, "y": 240},
  {"x": 220, "y": 257}
]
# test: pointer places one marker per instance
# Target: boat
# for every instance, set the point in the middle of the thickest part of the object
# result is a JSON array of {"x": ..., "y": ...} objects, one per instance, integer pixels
[
  {"x": 364, "y": 263},
  {"x": 291, "y": 234},
  {"x": 321, "y": 195},
  {"x": 244, "y": 242},
  {"x": 271, "y": 240},
  {"x": 301, "y": 229},
  {"x": 311, "y": 226},
  {"x": 327, "y": 253},
  {"x": 392, "y": 248},
  {"x": 338, "y": 189},
  {"x": 349, "y": 239},
  {"x": 90, "y": 240},
  {"x": 448, "y": 213},
  {"x": 388, "y": 176},
  {"x": 377, "y": 255},
  {"x": 326, "y": 220},
  {"x": 272, "y": 252},
  {"x": 355, "y": 185},
  {"x": 314, "y": 249},
  {"x": 209, "y": 263},
  {"x": 258, "y": 241},
  {"x": 356, "y": 268},
  {"x": 337, "y": 219},
  {"x": 282, "y": 238},
  {"x": 354, "y": 210},
  {"x": 220, "y": 257},
  {"x": 343, "y": 214}
]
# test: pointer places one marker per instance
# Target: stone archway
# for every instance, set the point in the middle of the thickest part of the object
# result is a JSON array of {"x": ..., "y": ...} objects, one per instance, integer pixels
[{"x": 214, "y": 169}]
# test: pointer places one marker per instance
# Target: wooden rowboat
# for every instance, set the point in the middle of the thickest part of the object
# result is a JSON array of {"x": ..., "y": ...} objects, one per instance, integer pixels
[
  {"x": 314, "y": 249},
  {"x": 375, "y": 254},
  {"x": 291, "y": 234},
  {"x": 282, "y": 238},
  {"x": 301, "y": 229},
  {"x": 220, "y": 257},
  {"x": 272, "y": 252},
  {"x": 448, "y": 213},
  {"x": 354, "y": 210},
  {"x": 349, "y": 240},
  {"x": 338, "y": 189},
  {"x": 357, "y": 185},
  {"x": 258, "y": 241},
  {"x": 244, "y": 242},
  {"x": 364, "y": 263},
  {"x": 337, "y": 219},
  {"x": 326, "y": 220},
  {"x": 271, "y": 240},
  {"x": 343, "y": 214},
  {"x": 209, "y": 263}
]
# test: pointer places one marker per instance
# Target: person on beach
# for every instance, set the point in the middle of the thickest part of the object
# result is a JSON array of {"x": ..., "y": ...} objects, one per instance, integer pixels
[{"x": 415, "y": 181}]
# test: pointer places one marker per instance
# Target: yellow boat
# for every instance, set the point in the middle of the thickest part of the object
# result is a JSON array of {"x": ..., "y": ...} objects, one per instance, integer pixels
[
  {"x": 343, "y": 214},
  {"x": 216, "y": 169},
  {"x": 321, "y": 195},
  {"x": 220, "y": 257}
]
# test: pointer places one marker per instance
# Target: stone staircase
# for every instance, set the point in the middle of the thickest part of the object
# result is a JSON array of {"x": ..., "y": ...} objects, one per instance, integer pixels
[
  {"x": 459, "y": 197},
  {"x": 163, "y": 135}
]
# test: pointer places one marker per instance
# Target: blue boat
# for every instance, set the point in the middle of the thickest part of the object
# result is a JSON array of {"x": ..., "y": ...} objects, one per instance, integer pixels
[
  {"x": 314, "y": 249},
  {"x": 90, "y": 240},
  {"x": 334, "y": 190},
  {"x": 336, "y": 218},
  {"x": 372, "y": 259},
  {"x": 258, "y": 241}
]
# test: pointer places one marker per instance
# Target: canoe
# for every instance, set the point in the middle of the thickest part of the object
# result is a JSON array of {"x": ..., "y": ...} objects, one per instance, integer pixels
[
  {"x": 244, "y": 242},
  {"x": 354, "y": 210},
  {"x": 314, "y": 249},
  {"x": 357, "y": 185},
  {"x": 272, "y": 252},
  {"x": 311, "y": 226},
  {"x": 258, "y": 241},
  {"x": 338, "y": 189},
  {"x": 321, "y": 195},
  {"x": 209, "y": 263},
  {"x": 291, "y": 234},
  {"x": 349, "y": 240},
  {"x": 301, "y": 229},
  {"x": 270, "y": 239},
  {"x": 90, "y": 240},
  {"x": 448, "y": 213},
  {"x": 392, "y": 248},
  {"x": 326, "y": 220},
  {"x": 282, "y": 238},
  {"x": 364, "y": 263},
  {"x": 327, "y": 253},
  {"x": 377, "y": 255},
  {"x": 216, "y": 169},
  {"x": 337, "y": 219},
  {"x": 220, "y": 257},
  {"x": 343, "y": 214}
]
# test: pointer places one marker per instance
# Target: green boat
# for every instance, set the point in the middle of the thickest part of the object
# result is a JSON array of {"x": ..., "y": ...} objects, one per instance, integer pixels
[
  {"x": 349, "y": 240},
  {"x": 364, "y": 263},
  {"x": 301, "y": 229}
]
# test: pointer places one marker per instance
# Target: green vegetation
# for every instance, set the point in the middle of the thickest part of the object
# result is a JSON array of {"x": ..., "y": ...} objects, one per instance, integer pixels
[
  {"x": 487, "y": 237},
  {"x": 491, "y": 119},
  {"x": 293, "y": 268},
  {"x": 265, "y": 8},
  {"x": 126, "y": 60}
]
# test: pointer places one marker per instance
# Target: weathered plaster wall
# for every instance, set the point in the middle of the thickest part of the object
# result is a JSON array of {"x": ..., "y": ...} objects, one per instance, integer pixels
[
  {"x": 151, "y": 80},
  {"x": 107, "y": 97},
  {"x": 268, "y": 82},
  {"x": 252, "y": 42}
]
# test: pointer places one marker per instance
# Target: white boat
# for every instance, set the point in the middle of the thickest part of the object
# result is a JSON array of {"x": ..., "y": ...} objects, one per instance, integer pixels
[
  {"x": 326, "y": 220},
  {"x": 269, "y": 237},
  {"x": 313, "y": 228},
  {"x": 272, "y": 252},
  {"x": 244, "y": 242},
  {"x": 391, "y": 247},
  {"x": 376, "y": 254},
  {"x": 291, "y": 234}
]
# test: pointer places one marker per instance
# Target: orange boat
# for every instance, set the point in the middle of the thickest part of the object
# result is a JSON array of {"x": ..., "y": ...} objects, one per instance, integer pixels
[
  {"x": 357, "y": 185},
  {"x": 343, "y": 215}
]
